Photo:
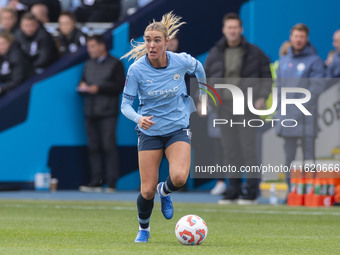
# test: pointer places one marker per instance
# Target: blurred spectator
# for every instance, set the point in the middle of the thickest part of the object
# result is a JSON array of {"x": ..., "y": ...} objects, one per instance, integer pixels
[
  {"x": 142, "y": 3},
  {"x": 333, "y": 70},
  {"x": 70, "y": 38},
  {"x": 283, "y": 51},
  {"x": 23, "y": 6},
  {"x": 17, "y": 5},
  {"x": 273, "y": 66},
  {"x": 330, "y": 57},
  {"x": 234, "y": 58},
  {"x": 14, "y": 66},
  {"x": 69, "y": 5},
  {"x": 98, "y": 11},
  {"x": 302, "y": 66},
  {"x": 173, "y": 45},
  {"x": 40, "y": 11},
  {"x": 9, "y": 19},
  {"x": 102, "y": 82},
  {"x": 128, "y": 7},
  {"x": 36, "y": 43}
]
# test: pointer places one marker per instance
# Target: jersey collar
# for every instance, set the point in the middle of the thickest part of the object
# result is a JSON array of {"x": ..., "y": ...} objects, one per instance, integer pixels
[{"x": 162, "y": 67}]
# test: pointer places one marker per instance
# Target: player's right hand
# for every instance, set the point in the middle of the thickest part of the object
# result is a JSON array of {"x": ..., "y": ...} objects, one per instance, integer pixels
[{"x": 145, "y": 122}]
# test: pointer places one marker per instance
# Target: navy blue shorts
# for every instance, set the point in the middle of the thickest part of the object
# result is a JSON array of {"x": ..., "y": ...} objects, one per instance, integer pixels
[{"x": 147, "y": 143}]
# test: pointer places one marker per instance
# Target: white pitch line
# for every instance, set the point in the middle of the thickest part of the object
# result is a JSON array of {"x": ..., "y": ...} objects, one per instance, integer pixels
[
  {"x": 314, "y": 237},
  {"x": 276, "y": 212},
  {"x": 129, "y": 208},
  {"x": 80, "y": 207}
]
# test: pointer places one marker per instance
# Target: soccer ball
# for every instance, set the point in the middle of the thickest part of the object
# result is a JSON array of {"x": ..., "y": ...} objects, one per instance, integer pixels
[{"x": 191, "y": 230}]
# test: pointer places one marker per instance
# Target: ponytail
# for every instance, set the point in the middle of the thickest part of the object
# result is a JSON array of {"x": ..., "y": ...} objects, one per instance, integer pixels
[{"x": 168, "y": 26}]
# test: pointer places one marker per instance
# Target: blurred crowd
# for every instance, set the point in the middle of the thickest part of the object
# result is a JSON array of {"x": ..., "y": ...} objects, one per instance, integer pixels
[
  {"x": 27, "y": 47},
  {"x": 299, "y": 66}
]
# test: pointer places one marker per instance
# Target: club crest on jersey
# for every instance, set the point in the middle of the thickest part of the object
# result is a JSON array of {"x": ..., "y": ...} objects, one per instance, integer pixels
[
  {"x": 177, "y": 76},
  {"x": 301, "y": 67}
]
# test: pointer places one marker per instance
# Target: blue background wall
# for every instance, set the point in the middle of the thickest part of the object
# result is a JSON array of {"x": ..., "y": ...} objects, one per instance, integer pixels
[
  {"x": 267, "y": 23},
  {"x": 52, "y": 137}
]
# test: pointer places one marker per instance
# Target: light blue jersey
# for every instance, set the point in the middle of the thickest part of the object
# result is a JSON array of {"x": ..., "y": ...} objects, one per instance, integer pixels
[{"x": 161, "y": 91}]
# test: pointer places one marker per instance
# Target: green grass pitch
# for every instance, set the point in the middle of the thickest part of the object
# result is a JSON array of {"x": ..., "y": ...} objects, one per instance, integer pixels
[{"x": 73, "y": 227}]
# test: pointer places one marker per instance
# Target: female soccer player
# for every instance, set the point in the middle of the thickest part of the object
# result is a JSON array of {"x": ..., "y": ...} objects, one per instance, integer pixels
[{"x": 157, "y": 76}]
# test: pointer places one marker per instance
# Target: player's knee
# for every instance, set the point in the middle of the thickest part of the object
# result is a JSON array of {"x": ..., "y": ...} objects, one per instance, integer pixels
[
  {"x": 148, "y": 194},
  {"x": 179, "y": 180}
]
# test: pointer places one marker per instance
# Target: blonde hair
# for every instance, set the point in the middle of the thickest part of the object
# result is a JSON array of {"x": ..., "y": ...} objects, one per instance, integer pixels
[
  {"x": 10, "y": 10},
  {"x": 7, "y": 36},
  {"x": 284, "y": 48},
  {"x": 300, "y": 27},
  {"x": 168, "y": 26}
]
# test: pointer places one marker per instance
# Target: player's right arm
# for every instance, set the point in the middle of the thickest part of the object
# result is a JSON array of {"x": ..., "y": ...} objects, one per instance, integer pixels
[{"x": 129, "y": 95}]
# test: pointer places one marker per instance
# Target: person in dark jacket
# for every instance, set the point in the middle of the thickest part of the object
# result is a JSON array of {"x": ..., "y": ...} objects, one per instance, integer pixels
[
  {"x": 40, "y": 11},
  {"x": 233, "y": 57},
  {"x": 23, "y": 6},
  {"x": 98, "y": 11},
  {"x": 37, "y": 44},
  {"x": 102, "y": 82},
  {"x": 70, "y": 38},
  {"x": 303, "y": 68},
  {"x": 9, "y": 20},
  {"x": 14, "y": 67}
]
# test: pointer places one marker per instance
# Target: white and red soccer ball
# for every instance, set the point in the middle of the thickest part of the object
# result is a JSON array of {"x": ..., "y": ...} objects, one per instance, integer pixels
[{"x": 191, "y": 230}]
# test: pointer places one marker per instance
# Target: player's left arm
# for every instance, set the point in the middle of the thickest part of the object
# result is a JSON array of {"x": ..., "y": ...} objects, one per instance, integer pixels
[
  {"x": 200, "y": 75},
  {"x": 196, "y": 68}
]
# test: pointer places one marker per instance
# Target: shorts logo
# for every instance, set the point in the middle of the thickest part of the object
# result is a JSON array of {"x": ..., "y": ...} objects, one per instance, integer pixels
[
  {"x": 189, "y": 134},
  {"x": 177, "y": 76}
]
